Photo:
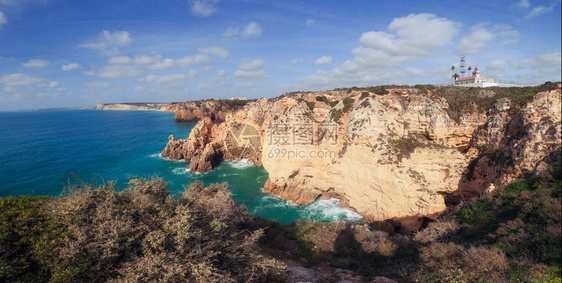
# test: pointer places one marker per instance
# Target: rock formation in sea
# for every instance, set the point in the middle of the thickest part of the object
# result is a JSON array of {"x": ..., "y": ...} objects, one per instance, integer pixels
[{"x": 394, "y": 158}]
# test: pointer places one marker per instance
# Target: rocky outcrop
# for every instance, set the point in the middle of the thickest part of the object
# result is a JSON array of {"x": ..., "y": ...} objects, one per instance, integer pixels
[
  {"x": 201, "y": 147},
  {"x": 196, "y": 110},
  {"x": 393, "y": 158},
  {"x": 514, "y": 145}
]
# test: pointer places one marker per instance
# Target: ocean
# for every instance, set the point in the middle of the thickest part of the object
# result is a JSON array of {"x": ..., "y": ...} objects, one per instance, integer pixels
[{"x": 41, "y": 150}]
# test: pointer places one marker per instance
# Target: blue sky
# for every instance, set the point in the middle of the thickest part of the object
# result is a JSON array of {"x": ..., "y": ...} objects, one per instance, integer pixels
[{"x": 60, "y": 53}]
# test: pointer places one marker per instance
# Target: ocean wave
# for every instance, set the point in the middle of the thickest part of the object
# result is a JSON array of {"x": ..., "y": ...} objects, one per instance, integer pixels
[
  {"x": 159, "y": 156},
  {"x": 230, "y": 174},
  {"x": 156, "y": 155},
  {"x": 329, "y": 210},
  {"x": 181, "y": 171},
  {"x": 242, "y": 164}
]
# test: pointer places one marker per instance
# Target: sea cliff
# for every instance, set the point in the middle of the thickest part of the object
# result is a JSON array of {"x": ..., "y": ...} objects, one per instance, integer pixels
[
  {"x": 132, "y": 106},
  {"x": 197, "y": 110},
  {"x": 396, "y": 156}
]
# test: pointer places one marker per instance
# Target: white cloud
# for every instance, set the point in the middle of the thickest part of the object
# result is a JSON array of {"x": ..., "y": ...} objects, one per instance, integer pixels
[
  {"x": 523, "y": 4},
  {"x": 3, "y": 19},
  {"x": 251, "y": 70},
  {"x": 231, "y": 32},
  {"x": 496, "y": 65},
  {"x": 11, "y": 97},
  {"x": 203, "y": 8},
  {"x": 324, "y": 60},
  {"x": 36, "y": 63},
  {"x": 481, "y": 37},
  {"x": 126, "y": 67},
  {"x": 104, "y": 85},
  {"x": 71, "y": 67},
  {"x": 539, "y": 10},
  {"x": 217, "y": 51},
  {"x": 53, "y": 84},
  {"x": 164, "y": 64},
  {"x": 506, "y": 33},
  {"x": 155, "y": 62},
  {"x": 309, "y": 22},
  {"x": 547, "y": 60},
  {"x": 218, "y": 82},
  {"x": 6, "y": 59},
  {"x": 296, "y": 61},
  {"x": 193, "y": 60},
  {"x": 108, "y": 43},
  {"x": 116, "y": 72},
  {"x": 474, "y": 43},
  {"x": 409, "y": 39},
  {"x": 252, "y": 29},
  {"x": 19, "y": 80},
  {"x": 173, "y": 81}
]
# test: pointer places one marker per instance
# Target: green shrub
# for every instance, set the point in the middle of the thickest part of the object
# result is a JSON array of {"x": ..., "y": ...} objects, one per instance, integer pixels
[
  {"x": 28, "y": 239},
  {"x": 380, "y": 90},
  {"x": 364, "y": 95},
  {"x": 322, "y": 98},
  {"x": 347, "y": 103},
  {"x": 311, "y": 105}
]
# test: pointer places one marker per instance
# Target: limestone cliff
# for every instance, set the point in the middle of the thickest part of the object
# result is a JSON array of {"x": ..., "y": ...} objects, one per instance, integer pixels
[
  {"x": 197, "y": 110},
  {"x": 132, "y": 106},
  {"x": 393, "y": 158}
]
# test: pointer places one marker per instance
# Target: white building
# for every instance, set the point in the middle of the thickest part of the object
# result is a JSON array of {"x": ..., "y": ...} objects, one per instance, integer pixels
[{"x": 475, "y": 80}]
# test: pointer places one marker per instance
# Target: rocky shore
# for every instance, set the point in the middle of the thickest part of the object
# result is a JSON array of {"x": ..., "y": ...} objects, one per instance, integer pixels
[{"x": 396, "y": 156}]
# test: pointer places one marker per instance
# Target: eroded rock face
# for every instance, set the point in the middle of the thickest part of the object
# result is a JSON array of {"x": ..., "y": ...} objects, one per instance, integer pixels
[
  {"x": 515, "y": 145},
  {"x": 197, "y": 110},
  {"x": 200, "y": 148},
  {"x": 392, "y": 158}
]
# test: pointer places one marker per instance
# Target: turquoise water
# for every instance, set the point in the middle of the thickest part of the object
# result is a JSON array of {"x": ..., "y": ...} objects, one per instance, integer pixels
[{"x": 39, "y": 151}]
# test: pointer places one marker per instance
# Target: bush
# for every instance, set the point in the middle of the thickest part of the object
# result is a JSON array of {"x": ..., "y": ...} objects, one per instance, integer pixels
[
  {"x": 380, "y": 90},
  {"x": 141, "y": 234},
  {"x": 347, "y": 103},
  {"x": 28, "y": 239},
  {"x": 322, "y": 99},
  {"x": 364, "y": 95},
  {"x": 449, "y": 262},
  {"x": 437, "y": 231},
  {"x": 310, "y": 105}
]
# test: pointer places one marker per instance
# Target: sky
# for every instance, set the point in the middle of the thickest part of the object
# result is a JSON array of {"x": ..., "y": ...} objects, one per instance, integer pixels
[{"x": 70, "y": 53}]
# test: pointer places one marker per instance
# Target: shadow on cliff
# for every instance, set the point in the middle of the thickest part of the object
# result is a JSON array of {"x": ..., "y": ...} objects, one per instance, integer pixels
[{"x": 342, "y": 245}]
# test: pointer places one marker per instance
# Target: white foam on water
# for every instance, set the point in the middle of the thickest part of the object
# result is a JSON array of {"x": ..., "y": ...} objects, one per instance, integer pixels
[
  {"x": 260, "y": 179},
  {"x": 270, "y": 201},
  {"x": 181, "y": 171},
  {"x": 159, "y": 156},
  {"x": 231, "y": 174},
  {"x": 242, "y": 164},
  {"x": 329, "y": 210},
  {"x": 156, "y": 155}
]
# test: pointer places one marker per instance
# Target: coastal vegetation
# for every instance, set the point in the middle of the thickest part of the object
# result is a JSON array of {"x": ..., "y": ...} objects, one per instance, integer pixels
[{"x": 94, "y": 232}]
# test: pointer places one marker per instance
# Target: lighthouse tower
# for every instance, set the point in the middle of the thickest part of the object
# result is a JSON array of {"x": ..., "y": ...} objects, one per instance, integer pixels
[{"x": 476, "y": 73}]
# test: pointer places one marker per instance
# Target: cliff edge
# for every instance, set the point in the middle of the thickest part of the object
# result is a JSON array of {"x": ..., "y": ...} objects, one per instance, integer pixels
[
  {"x": 196, "y": 110},
  {"x": 395, "y": 156}
]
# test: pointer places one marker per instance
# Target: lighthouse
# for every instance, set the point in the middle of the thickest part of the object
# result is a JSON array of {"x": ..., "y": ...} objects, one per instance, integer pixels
[{"x": 475, "y": 80}]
